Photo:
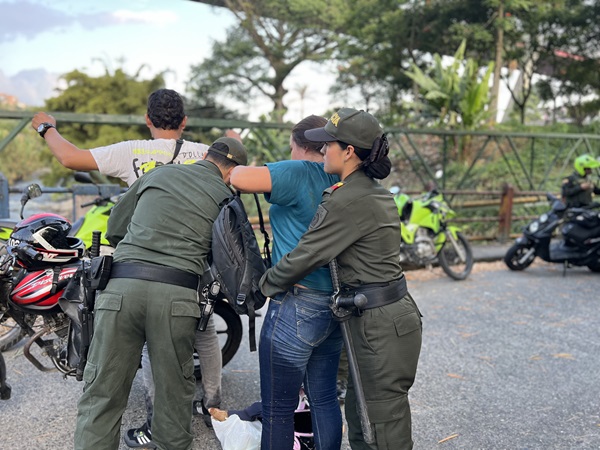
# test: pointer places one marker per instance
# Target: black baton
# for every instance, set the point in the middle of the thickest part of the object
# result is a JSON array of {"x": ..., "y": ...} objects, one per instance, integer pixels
[{"x": 342, "y": 314}]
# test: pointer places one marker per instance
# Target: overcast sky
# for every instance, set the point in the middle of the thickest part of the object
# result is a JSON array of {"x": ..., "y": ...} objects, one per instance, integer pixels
[{"x": 41, "y": 40}]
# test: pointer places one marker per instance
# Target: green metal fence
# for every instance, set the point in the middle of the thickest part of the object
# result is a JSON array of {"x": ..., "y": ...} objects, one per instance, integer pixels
[
  {"x": 462, "y": 163},
  {"x": 452, "y": 159}
]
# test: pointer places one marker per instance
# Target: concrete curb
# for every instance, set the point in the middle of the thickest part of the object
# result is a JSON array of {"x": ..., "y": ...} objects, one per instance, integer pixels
[{"x": 490, "y": 252}]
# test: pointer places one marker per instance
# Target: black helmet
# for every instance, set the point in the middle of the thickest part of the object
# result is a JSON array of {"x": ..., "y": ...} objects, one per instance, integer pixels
[{"x": 48, "y": 235}]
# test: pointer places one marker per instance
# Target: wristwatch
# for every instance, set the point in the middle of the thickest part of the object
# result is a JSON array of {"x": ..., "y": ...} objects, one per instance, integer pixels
[{"x": 44, "y": 126}]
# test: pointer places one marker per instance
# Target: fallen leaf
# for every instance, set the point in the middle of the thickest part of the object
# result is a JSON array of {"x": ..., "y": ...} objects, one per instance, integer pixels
[
  {"x": 454, "y": 375},
  {"x": 446, "y": 439},
  {"x": 563, "y": 355},
  {"x": 467, "y": 335},
  {"x": 536, "y": 358}
]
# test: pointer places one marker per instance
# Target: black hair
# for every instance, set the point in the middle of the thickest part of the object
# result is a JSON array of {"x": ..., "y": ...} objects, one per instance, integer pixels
[
  {"x": 165, "y": 109},
  {"x": 308, "y": 123},
  {"x": 222, "y": 161},
  {"x": 375, "y": 161}
]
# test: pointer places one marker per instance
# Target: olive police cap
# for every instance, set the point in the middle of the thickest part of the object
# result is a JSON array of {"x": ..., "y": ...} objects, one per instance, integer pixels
[
  {"x": 348, "y": 125},
  {"x": 230, "y": 148}
]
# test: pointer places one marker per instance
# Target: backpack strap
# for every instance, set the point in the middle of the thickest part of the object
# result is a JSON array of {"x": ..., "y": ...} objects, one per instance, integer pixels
[
  {"x": 252, "y": 327},
  {"x": 267, "y": 241},
  {"x": 178, "y": 144}
]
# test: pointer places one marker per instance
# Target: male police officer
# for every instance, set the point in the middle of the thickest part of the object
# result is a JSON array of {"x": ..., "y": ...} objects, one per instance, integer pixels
[
  {"x": 129, "y": 160},
  {"x": 162, "y": 229}
]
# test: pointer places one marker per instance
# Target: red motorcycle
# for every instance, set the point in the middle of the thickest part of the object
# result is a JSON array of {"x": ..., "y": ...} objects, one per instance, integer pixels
[
  {"x": 39, "y": 262},
  {"x": 41, "y": 295}
]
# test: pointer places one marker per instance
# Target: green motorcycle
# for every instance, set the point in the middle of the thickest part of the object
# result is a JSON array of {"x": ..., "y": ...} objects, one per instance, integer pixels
[
  {"x": 428, "y": 239},
  {"x": 94, "y": 219}
]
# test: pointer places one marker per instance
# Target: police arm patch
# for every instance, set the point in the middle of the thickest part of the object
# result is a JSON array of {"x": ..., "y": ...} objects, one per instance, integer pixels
[{"x": 319, "y": 217}]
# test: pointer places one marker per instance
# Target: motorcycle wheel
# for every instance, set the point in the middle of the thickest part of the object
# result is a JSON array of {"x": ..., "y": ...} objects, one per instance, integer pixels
[
  {"x": 10, "y": 334},
  {"x": 514, "y": 255},
  {"x": 229, "y": 331},
  {"x": 594, "y": 267},
  {"x": 451, "y": 262}
]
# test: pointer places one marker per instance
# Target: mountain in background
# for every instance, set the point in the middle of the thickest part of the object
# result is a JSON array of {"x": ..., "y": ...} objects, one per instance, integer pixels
[{"x": 31, "y": 86}]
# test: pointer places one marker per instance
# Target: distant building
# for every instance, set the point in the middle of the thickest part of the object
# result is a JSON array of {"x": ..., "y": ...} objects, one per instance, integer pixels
[{"x": 10, "y": 102}]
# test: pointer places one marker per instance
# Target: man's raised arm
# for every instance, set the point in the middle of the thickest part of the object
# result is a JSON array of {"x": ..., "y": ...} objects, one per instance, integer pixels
[{"x": 69, "y": 155}]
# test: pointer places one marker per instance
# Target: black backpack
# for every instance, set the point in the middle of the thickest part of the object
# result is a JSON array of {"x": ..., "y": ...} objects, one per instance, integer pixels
[{"x": 236, "y": 261}]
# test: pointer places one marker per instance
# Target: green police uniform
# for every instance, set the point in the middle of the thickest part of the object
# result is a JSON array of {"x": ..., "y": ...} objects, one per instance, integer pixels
[
  {"x": 573, "y": 194},
  {"x": 164, "y": 219},
  {"x": 357, "y": 223}
]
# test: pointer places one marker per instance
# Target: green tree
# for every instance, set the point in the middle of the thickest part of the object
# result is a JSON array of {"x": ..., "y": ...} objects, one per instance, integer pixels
[
  {"x": 573, "y": 66},
  {"x": 454, "y": 96},
  {"x": 272, "y": 38},
  {"x": 519, "y": 34},
  {"x": 110, "y": 93}
]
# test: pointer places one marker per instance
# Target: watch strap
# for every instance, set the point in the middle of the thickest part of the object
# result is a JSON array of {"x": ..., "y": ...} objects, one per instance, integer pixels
[{"x": 47, "y": 126}]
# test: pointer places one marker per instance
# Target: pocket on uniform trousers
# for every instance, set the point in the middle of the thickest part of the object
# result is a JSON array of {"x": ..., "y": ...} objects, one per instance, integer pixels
[
  {"x": 407, "y": 323},
  {"x": 110, "y": 301},
  {"x": 89, "y": 373},
  {"x": 185, "y": 309},
  {"x": 187, "y": 368},
  {"x": 388, "y": 410}
]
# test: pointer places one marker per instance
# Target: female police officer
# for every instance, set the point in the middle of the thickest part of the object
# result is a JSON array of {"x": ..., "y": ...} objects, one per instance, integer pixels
[{"x": 357, "y": 223}]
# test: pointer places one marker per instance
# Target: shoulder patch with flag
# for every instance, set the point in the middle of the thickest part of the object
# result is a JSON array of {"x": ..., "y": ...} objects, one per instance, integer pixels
[{"x": 318, "y": 218}]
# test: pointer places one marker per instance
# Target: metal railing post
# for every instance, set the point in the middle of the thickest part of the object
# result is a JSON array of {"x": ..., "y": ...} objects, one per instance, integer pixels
[
  {"x": 4, "y": 199},
  {"x": 505, "y": 215}
]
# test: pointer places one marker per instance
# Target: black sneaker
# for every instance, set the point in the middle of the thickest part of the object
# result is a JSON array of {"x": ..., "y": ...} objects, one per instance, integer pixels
[
  {"x": 199, "y": 410},
  {"x": 139, "y": 437}
]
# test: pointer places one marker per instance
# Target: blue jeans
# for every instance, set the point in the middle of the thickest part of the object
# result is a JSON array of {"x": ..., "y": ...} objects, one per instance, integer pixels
[{"x": 300, "y": 342}]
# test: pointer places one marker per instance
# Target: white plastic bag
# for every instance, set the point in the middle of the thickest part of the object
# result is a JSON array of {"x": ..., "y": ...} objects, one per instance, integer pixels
[{"x": 237, "y": 434}]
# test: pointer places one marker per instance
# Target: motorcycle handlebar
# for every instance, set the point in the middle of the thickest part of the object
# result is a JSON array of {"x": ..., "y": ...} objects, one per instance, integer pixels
[
  {"x": 96, "y": 201},
  {"x": 25, "y": 251}
]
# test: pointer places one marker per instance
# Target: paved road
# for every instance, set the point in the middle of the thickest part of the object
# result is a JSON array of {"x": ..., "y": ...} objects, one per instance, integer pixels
[{"x": 509, "y": 361}]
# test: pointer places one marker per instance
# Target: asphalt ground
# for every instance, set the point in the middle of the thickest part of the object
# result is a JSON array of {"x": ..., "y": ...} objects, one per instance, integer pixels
[{"x": 509, "y": 361}]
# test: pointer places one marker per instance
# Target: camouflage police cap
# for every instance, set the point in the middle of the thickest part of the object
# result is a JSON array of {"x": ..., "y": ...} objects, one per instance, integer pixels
[
  {"x": 348, "y": 125},
  {"x": 230, "y": 148}
]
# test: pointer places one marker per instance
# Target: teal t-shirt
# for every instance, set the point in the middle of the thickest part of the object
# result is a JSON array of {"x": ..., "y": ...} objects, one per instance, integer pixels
[{"x": 296, "y": 191}]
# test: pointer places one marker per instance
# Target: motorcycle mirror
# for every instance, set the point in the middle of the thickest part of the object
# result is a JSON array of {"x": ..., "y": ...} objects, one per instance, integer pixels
[
  {"x": 34, "y": 190},
  {"x": 86, "y": 178},
  {"x": 31, "y": 191}
]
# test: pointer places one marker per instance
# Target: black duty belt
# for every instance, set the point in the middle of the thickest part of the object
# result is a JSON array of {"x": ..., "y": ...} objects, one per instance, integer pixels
[
  {"x": 380, "y": 294},
  {"x": 151, "y": 272}
]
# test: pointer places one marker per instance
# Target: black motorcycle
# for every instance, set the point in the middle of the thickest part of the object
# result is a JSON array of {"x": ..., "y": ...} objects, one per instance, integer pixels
[{"x": 577, "y": 228}]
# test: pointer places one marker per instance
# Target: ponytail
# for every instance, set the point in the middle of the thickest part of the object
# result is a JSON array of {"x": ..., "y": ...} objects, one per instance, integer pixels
[{"x": 376, "y": 163}]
